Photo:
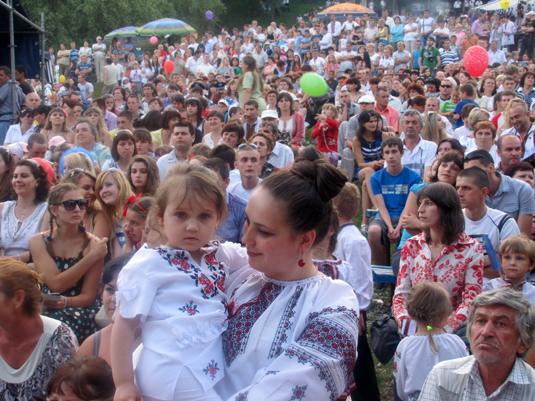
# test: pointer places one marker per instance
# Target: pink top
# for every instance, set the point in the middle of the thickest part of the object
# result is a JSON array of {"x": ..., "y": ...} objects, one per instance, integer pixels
[{"x": 459, "y": 267}]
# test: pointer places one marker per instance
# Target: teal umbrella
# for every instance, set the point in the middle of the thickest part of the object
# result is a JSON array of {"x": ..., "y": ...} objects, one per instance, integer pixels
[
  {"x": 127, "y": 31},
  {"x": 165, "y": 26}
]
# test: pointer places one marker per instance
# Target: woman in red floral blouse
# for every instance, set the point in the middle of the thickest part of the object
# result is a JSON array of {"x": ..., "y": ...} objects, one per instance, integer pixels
[{"x": 442, "y": 253}]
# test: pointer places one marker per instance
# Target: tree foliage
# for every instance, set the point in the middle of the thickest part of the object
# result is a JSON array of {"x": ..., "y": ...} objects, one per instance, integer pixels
[{"x": 78, "y": 20}]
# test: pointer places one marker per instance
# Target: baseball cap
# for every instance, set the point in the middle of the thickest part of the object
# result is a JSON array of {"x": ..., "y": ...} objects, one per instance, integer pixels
[
  {"x": 269, "y": 114},
  {"x": 223, "y": 101},
  {"x": 55, "y": 141},
  {"x": 531, "y": 13},
  {"x": 366, "y": 99}
]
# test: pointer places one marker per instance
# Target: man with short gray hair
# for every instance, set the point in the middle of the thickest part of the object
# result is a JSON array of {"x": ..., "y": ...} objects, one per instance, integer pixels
[
  {"x": 501, "y": 328},
  {"x": 418, "y": 154}
]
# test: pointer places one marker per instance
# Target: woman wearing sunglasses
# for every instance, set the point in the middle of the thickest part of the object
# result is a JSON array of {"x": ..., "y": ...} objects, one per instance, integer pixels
[
  {"x": 70, "y": 261},
  {"x": 24, "y": 217},
  {"x": 95, "y": 221}
]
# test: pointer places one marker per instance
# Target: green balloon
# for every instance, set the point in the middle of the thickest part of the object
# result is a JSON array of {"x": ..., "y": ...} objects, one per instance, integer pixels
[{"x": 313, "y": 85}]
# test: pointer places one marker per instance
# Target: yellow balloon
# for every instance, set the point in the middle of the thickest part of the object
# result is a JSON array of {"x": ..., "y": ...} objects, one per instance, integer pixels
[
  {"x": 61, "y": 78},
  {"x": 505, "y": 4}
]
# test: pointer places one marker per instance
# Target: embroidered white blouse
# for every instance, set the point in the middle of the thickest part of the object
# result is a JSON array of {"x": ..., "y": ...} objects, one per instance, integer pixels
[
  {"x": 183, "y": 313},
  {"x": 289, "y": 340}
]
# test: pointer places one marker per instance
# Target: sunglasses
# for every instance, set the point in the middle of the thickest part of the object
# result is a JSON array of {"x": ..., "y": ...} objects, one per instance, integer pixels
[
  {"x": 244, "y": 145},
  {"x": 476, "y": 156},
  {"x": 70, "y": 205},
  {"x": 76, "y": 171},
  {"x": 446, "y": 86}
]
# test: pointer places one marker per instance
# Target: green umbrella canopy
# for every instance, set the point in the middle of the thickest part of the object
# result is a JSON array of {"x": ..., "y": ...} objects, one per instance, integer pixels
[{"x": 165, "y": 26}]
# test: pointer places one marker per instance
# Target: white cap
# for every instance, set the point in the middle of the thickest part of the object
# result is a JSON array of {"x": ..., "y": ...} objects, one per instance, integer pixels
[
  {"x": 531, "y": 13},
  {"x": 366, "y": 99},
  {"x": 269, "y": 114},
  {"x": 223, "y": 101}
]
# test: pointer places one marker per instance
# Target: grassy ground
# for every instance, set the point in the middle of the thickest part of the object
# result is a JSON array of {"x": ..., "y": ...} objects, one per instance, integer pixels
[{"x": 97, "y": 90}]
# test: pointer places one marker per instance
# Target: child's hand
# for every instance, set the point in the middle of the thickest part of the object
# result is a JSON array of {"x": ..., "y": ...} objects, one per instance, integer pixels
[
  {"x": 127, "y": 392},
  {"x": 508, "y": 285},
  {"x": 321, "y": 117}
]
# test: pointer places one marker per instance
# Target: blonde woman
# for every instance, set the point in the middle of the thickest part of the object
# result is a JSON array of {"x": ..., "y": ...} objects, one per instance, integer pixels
[
  {"x": 431, "y": 130},
  {"x": 56, "y": 125},
  {"x": 74, "y": 159},
  {"x": 113, "y": 190},
  {"x": 476, "y": 116},
  {"x": 94, "y": 115}
]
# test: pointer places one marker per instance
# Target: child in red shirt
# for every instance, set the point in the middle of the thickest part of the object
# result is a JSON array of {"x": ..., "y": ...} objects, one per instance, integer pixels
[{"x": 326, "y": 131}]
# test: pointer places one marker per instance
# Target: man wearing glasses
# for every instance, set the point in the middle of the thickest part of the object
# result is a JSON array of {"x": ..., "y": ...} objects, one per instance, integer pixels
[{"x": 446, "y": 87}]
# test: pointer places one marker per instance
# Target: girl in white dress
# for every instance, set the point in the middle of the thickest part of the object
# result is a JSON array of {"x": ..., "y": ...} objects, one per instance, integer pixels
[
  {"x": 174, "y": 293},
  {"x": 429, "y": 305}
]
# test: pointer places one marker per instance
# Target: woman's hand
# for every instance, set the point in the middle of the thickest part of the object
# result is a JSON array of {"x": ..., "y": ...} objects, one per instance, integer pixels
[
  {"x": 127, "y": 392},
  {"x": 410, "y": 221},
  {"x": 378, "y": 164},
  {"x": 56, "y": 304},
  {"x": 98, "y": 247}
]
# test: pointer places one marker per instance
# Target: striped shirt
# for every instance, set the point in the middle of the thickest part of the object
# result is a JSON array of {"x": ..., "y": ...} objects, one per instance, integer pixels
[{"x": 448, "y": 57}]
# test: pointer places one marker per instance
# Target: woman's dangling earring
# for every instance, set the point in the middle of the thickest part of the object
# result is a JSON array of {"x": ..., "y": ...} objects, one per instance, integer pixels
[
  {"x": 301, "y": 262},
  {"x": 81, "y": 227}
]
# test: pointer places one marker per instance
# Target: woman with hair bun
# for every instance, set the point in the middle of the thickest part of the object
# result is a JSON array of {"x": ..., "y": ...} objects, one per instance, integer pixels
[{"x": 278, "y": 313}]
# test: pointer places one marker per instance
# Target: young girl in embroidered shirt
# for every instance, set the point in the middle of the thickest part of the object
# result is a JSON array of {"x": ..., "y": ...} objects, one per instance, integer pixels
[
  {"x": 326, "y": 131},
  {"x": 174, "y": 293},
  {"x": 429, "y": 305}
]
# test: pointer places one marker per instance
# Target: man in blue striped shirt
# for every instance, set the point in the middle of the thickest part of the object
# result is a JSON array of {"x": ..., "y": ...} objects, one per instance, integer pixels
[{"x": 447, "y": 56}]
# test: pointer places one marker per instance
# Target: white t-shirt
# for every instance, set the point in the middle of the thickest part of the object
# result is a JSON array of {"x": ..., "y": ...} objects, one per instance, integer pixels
[
  {"x": 86, "y": 89},
  {"x": 238, "y": 190}
]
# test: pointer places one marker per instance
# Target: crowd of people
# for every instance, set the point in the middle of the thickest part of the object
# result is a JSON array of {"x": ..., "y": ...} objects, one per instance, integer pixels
[{"x": 223, "y": 176}]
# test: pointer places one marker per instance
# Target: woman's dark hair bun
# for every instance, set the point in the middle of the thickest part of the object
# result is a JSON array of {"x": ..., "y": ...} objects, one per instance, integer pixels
[{"x": 312, "y": 166}]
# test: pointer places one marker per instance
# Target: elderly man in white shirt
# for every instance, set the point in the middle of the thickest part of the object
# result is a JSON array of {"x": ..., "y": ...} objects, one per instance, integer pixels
[
  {"x": 392, "y": 101},
  {"x": 496, "y": 56},
  {"x": 281, "y": 155},
  {"x": 500, "y": 328}
]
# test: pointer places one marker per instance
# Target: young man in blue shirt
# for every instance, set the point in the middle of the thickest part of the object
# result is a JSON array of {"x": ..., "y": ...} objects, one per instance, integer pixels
[{"x": 390, "y": 188}]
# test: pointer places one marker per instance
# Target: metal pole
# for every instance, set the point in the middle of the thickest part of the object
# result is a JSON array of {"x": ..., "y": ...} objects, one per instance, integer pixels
[
  {"x": 13, "y": 82},
  {"x": 43, "y": 63}
]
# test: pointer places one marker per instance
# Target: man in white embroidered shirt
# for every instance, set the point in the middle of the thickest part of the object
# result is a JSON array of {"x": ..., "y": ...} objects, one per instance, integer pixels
[{"x": 501, "y": 327}]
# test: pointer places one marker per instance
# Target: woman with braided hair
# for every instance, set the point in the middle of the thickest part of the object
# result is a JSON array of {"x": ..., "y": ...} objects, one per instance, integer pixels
[{"x": 70, "y": 261}]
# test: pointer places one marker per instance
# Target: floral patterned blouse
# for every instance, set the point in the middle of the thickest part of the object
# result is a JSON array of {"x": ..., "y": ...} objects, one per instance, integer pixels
[
  {"x": 55, "y": 347},
  {"x": 459, "y": 267}
]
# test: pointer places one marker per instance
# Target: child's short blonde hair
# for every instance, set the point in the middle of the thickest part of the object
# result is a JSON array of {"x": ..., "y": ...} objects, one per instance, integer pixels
[
  {"x": 347, "y": 202},
  {"x": 331, "y": 107},
  {"x": 518, "y": 244}
]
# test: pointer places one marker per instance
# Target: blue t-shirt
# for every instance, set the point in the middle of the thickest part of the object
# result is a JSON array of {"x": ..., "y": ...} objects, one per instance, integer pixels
[
  {"x": 394, "y": 188},
  {"x": 458, "y": 109},
  {"x": 406, "y": 235},
  {"x": 415, "y": 58}
]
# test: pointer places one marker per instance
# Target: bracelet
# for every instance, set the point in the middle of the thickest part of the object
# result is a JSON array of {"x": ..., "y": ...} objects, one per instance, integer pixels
[
  {"x": 64, "y": 302},
  {"x": 18, "y": 258}
]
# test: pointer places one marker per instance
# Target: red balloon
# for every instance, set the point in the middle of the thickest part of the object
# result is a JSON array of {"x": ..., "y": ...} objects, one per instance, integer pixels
[
  {"x": 169, "y": 66},
  {"x": 476, "y": 61},
  {"x": 46, "y": 166}
]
